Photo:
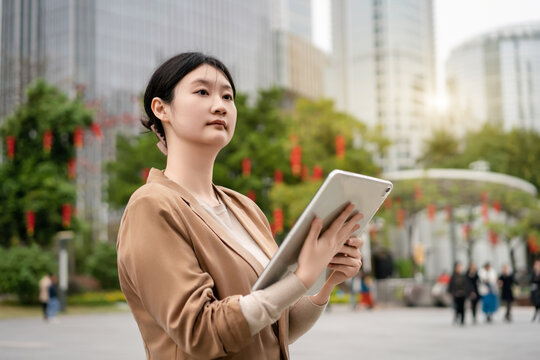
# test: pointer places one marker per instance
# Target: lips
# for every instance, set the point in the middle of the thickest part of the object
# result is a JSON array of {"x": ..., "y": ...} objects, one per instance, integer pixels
[{"x": 218, "y": 122}]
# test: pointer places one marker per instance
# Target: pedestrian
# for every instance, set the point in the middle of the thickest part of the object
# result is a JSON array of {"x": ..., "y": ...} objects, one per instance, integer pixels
[
  {"x": 53, "y": 305},
  {"x": 366, "y": 299},
  {"x": 535, "y": 288},
  {"x": 474, "y": 297},
  {"x": 506, "y": 285},
  {"x": 440, "y": 289},
  {"x": 488, "y": 290},
  {"x": 189, "y": 252},
  {"x": 44, "y": 284},
  {"x": 460, "y": 288}
]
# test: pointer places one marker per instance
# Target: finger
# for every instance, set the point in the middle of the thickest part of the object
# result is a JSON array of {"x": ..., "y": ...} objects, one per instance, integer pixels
[
  {"x": 340, "y": 220},
  {"x": 348, "y": 271},
  {"x": 351, "y": 226},
  {"x": 315, "y": 229},
  {"x": 345, "y": 260},
  {"x": 355, "y": 241},
  {"x": 350, "y": 251}
]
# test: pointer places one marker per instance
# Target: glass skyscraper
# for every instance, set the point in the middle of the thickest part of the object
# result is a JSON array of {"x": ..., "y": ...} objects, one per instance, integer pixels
[
  {"x": 106, "y": 50},
  {"x": 495, "y": 78},
  {"x": 382, "y": 70}
]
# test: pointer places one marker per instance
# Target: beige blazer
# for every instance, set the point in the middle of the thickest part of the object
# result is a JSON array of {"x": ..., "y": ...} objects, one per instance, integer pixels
[{"x": 182, "y": 274}]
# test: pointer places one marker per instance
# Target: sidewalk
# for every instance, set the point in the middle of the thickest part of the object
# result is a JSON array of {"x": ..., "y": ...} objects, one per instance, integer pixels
[{"x": 391, "y": 333}]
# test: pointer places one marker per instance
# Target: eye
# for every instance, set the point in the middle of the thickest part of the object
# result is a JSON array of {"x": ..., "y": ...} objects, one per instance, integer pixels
[
  {"x": 202, "y": 92},
  {"x": 228, "y": 97}
]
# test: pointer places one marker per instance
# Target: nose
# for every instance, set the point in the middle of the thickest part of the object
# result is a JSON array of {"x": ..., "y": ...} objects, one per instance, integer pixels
[{"x": 218, "y": 106}]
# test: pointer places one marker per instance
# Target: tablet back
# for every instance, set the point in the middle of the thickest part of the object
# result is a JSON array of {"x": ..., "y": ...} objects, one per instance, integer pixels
[{"x": 339, "y": 188}]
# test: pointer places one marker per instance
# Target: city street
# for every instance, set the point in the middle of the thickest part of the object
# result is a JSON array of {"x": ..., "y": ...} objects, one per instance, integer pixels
[{"x": 392, "y": 333}]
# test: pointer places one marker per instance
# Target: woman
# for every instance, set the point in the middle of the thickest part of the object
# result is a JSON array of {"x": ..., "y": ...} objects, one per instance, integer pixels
[
  {"x": 189, "y": 251},
  {"x": 472, "y": 276},
  {"x": 459, "y": 287},
  {"x": 506, "y": 285},
  {"x": 488, "y": 291}
]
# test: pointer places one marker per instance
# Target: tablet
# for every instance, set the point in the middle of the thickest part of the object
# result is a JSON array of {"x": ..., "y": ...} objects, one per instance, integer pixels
[{"x": 339, "y": 188}]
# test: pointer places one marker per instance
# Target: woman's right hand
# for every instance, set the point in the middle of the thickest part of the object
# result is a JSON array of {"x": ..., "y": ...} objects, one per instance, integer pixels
[{"x": 318, "y": 250}]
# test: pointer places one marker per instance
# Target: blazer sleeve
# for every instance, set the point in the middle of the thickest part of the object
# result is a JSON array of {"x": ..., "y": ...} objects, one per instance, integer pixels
[{"x": 156, "y": 257}]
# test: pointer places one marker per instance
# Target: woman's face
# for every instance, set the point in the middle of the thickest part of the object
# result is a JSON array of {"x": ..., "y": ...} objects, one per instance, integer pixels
[{"x": 202, "y": 111}]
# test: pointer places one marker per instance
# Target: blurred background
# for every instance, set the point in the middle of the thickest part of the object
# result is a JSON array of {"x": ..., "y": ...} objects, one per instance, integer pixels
[{"x": 440, "y": 97}]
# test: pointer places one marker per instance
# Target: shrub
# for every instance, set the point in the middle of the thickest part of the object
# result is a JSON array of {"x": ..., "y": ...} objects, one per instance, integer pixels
[
  {"x": 21, "y": 268},
  {"x": 101, "y": 264},
  {"x": 97, "y": 298},
  {"x": 404, "y": 268}
]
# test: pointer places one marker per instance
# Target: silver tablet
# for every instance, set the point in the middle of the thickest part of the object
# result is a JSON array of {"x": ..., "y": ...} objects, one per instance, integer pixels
[{"x": 338, "y": 189}]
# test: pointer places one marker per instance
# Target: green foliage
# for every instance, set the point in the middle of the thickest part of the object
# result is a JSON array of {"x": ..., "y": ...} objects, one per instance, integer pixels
[
  {"x": 404, "y": 268},
  {"x": 34, "y": 179},
  {"x": 125, "y": 174},
  {"x": 21, "y": 268},
  {"x": 440, "y": 150},
  {"x": 102, "y": 265}
]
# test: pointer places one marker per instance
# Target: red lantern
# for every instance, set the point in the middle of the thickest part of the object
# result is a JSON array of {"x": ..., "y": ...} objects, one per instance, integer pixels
[
  {"x": 252, "y": 195},
  {"x": 296, "y": 160},
  {"x": 72, "y": 169},
  {"x": 10, "y": 146},
  {"x": 30, "y": 222},
  {"x": 388, "y": 203},
  {"x": 533, "y": 244},
  {"x": 246, "y": 167},
  {"x": 305, "y": 173},
  {"x": 96, "y": 129},
  {"x": 493, "y": 237},
  {"x": 278, "y": 176},
  {"x": 497, "y": 206},
  {"x": 47, "y": 141},
  {"x": 400, "y": 218},
  {"x": 78, "y": 138},
  {"x": 432, "y": 210},
  {"x": 66, "y": 215},
  {"x": 466, "y": 231},
  {"x": 278, "y": 220},
  {"x": 339, "y": 141},
  {"x": 417, "y": 193},
  {"x": 485, "y": 212},
  {"x": 448, "y": 212},
  {"x": 317, "y": 172},
  {"x": 144, "y": 174},
  {"x": 484, "y": 196}
]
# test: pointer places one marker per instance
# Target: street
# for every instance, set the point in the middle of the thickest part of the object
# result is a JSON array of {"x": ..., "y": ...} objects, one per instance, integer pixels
[{"x": 388, "y": 333}]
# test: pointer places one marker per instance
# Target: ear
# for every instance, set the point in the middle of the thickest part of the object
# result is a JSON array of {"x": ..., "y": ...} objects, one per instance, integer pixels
[{"x": 160, "y": 109}]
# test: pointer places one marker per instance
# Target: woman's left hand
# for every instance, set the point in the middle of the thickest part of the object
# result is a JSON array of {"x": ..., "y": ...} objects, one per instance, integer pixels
[{"x": 347, "y": 262}]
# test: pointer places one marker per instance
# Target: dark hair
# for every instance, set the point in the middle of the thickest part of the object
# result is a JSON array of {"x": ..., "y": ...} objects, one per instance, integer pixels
[{"x": 168, "y": 74}]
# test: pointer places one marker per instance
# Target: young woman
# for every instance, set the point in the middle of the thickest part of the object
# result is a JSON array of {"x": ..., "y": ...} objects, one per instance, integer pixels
[{"x": 189, "y": 251}]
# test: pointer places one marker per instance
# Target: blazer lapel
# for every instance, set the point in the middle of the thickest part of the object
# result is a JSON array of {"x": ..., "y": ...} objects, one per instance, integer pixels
[{"x": 215, "y": 226}]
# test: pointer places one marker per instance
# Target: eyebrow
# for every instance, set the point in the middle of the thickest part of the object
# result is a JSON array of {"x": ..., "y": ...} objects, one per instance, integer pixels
[{"x": 208, "y": 83}]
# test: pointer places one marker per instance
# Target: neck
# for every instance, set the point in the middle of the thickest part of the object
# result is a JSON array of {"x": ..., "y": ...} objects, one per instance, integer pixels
[{"x": 192, "y": 168}]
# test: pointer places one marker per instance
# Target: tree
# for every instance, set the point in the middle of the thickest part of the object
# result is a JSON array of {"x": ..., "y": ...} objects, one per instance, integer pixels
[
  {"x": 36, "y": 186},
  {"x": 134, "y": 157},
  {"x": 440, "y": 150}
]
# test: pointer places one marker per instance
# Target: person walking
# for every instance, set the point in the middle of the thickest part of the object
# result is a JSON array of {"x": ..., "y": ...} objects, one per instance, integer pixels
[
  {"x": 506, "y": 285},
  {"x": 459, "y": 287},
  {"x": 488, "y": 290},
  {"x": 44, "y": 284},
  {"x": 53, "y": 305},
  {"x": 474, "y": 297},
  {"x": 535, "y": 288}
]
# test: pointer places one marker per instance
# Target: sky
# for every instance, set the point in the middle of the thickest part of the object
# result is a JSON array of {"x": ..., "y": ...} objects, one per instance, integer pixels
[{"x": 456, "y": 21}]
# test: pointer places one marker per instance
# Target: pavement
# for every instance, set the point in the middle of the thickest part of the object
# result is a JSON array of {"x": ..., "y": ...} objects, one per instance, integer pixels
[{"x": 384, "y": 333}]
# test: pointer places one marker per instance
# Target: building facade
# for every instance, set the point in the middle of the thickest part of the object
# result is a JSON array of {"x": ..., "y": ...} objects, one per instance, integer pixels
[
  {"x": 382, "y": 70},
  {"x": 106, "y": 52},
  {"x": 495, "y": 78}
]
